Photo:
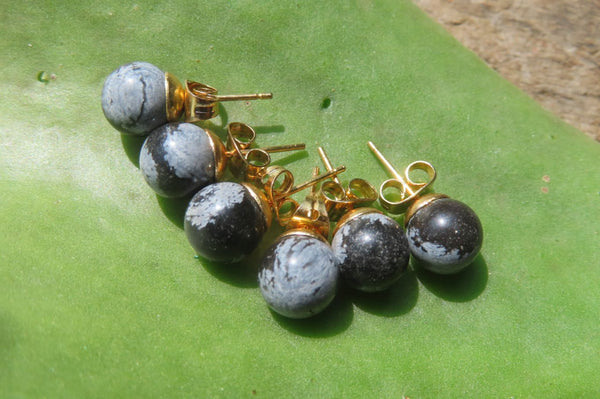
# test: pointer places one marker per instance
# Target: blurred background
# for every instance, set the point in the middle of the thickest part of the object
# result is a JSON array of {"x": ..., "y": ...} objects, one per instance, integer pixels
[{"x": 548, "y": 48}]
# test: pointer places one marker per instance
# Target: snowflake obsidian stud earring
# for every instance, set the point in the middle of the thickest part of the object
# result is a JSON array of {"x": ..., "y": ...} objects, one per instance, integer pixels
[
  {"x": 180, "y": 158},
  {"x": 370, "y": 248},
  {"x": 226, "y": 221},
  {"x": 298, "y": 277},
  {"x": 139, "y": 97},
  {"x": 444, "y": 235}
]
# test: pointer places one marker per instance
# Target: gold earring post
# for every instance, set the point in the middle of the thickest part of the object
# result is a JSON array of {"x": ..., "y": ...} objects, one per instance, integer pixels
[
  {"x": 279, "y": 195},
  {"x": 284, "y": 148},
  {"x": 241, "y": 136},
  {"x": 317, "y": 179},
  {"x": 246, "y": 162},
  {"x": 242, "y": 97},
  {"x": 199, "y": 101},
  {"x": 328, "y": 164},
  {"x": 409, "y": 190},
  {"x": 390, "y": 167},
  {"x": 202, "y": 100},
  {"x": 311, "y": 215},
  {"x": 340, "y": 200}
]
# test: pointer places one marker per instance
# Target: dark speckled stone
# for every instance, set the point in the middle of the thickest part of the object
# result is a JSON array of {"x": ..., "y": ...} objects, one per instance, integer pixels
[
  {"x": 371, "y": 251},
  {"x": 445, "y": 236},
  {"x": 298, "y": 277},
  {"x": 224, "y": 223},
  {"x": 134, "y": 98},
  {"x": 177, "y": 159}
]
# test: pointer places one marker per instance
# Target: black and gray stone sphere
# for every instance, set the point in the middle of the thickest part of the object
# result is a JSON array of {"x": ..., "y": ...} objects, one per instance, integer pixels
[
  {"x": 224, "y": 222},
  {"x": 371, "y": 251},
  {"x": 134, "y": 98},
  {"x": 298, "y": 277},
  {"x": 177, "y": 159},
  {"x": 444, "y": 236}
]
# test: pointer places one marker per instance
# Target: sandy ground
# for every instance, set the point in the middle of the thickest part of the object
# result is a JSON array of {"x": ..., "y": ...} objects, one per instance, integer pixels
[{"x": 548, "y": 48}]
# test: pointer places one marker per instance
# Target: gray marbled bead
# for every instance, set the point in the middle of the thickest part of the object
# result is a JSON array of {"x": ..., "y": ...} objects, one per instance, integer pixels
[
  {"x": 371, "y": 251},
  {"x": 298, "y": 277},
  {"x": 224, "y": 222},
  {"x": 177, "y": 159},
  {"x": 444, "y": 236},
  {"x": 134, "y": 98}
]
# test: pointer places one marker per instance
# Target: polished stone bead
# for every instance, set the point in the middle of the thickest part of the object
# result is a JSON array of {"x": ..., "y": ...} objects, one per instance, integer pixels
[
  {"x": 444, "y": 236},
  {"x": 371, "y": 251},
  {"x": 298, "y": 277},
  {"x": 177, "y": 159},
  {"x": 134, "y": 98},
  {"x": 224, "y": 222}
]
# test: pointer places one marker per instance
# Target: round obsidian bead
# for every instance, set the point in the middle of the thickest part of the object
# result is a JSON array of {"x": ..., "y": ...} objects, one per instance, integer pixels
[
  {"x": 134, "y": 98},
  {"x": 298, "y": 277},
  {"x": 224, "y": 222},
  {"x": 444, "y": 236},
  {"x": 177, "y": 159},
  {"x": 371, "y": 251}
]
